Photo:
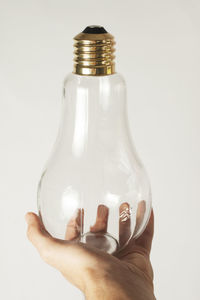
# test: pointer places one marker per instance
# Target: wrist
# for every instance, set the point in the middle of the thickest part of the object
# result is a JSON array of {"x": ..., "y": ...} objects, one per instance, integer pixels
[
  {"x": 110, "y": 284},
  {"x": 102, "y": 286},
  {"x": 101, "y": 291}
]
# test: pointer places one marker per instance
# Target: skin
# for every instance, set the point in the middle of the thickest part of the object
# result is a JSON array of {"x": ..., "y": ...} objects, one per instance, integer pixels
[{"x": 124, "y": 275}]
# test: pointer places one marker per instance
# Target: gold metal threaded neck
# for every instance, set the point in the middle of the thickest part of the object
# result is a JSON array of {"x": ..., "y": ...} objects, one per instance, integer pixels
[{"x": 94, "y": 52}]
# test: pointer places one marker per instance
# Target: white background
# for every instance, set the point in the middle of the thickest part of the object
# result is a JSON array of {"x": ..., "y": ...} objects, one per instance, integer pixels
[{"x": 158, "y": 52}]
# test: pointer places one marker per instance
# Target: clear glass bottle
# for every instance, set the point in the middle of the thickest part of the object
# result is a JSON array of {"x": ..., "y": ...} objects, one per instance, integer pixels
[{"x": 94, "y": 188}]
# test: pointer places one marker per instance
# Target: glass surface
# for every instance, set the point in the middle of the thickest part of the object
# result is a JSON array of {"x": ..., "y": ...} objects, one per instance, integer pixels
[{"x": 94, "y": 188}]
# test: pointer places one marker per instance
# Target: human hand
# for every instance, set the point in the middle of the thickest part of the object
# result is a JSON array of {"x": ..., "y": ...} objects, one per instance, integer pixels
[{"x": 123, "y": 276}]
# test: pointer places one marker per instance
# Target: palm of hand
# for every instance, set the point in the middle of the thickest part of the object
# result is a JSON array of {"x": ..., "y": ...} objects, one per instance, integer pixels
[{"x": 125, "y": 275}]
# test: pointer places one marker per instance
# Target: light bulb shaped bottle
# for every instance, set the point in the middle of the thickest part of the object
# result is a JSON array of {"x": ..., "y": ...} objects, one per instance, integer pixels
[{"x": 94, "y": 188}]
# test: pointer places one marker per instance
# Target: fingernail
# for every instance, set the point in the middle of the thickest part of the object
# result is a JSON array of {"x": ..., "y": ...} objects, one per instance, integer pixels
[
  {"x": 124, "y": 206},
  {"x": 27, "y": 217},
  {"x": 102, "y": 211}
]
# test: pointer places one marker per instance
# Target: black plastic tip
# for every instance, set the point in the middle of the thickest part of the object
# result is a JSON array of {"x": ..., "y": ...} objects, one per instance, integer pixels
[{"x": 94, "y": 29}]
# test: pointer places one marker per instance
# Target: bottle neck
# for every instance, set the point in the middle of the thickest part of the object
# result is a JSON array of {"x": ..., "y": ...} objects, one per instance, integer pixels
[{"x": 93, "y": 110}]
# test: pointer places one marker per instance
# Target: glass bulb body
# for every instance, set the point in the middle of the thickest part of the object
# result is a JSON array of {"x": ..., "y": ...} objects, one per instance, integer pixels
[{"x": 94, "y": 188}]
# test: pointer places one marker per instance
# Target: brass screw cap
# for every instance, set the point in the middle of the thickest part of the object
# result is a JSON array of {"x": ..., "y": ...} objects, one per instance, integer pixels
[{"x": 94, "y": 52}]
